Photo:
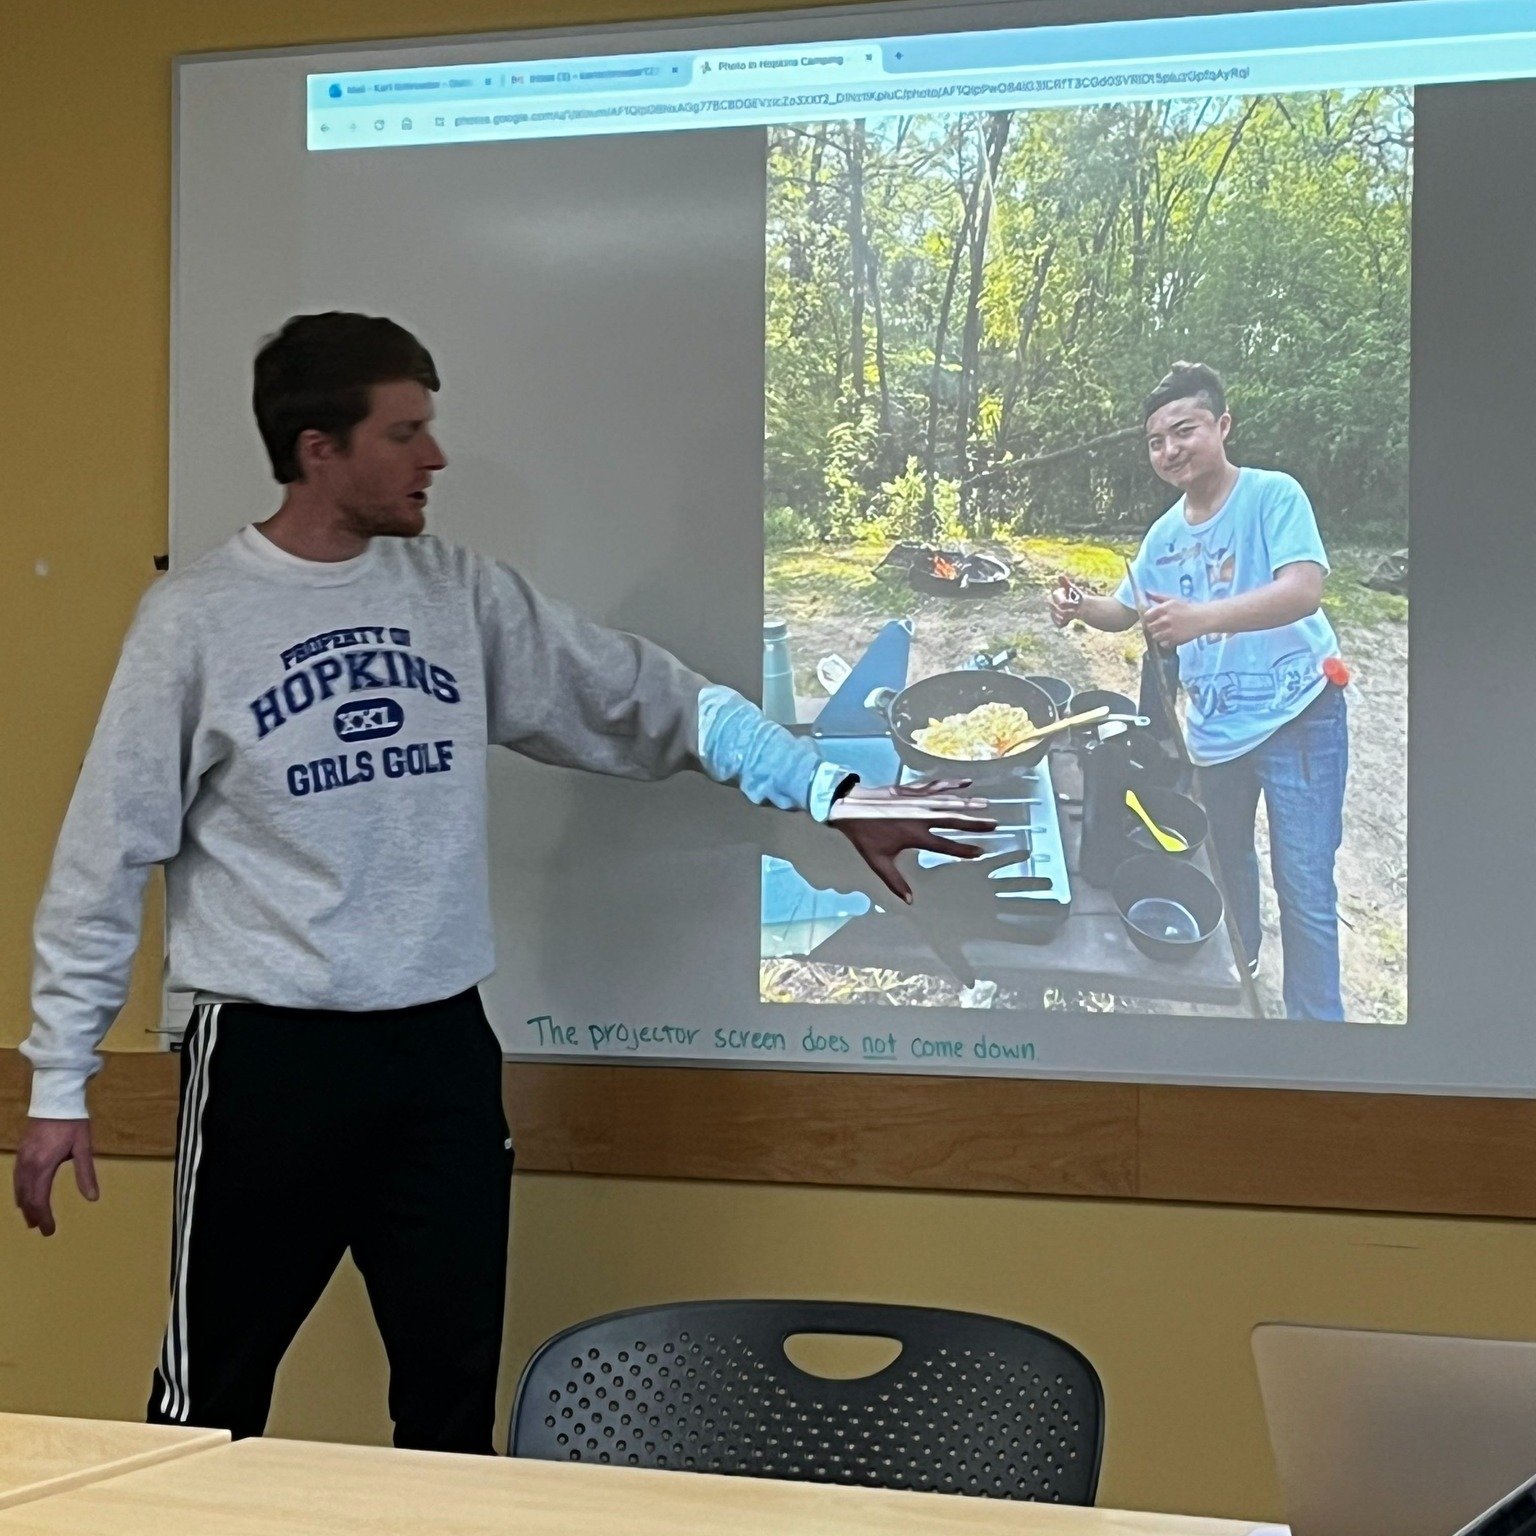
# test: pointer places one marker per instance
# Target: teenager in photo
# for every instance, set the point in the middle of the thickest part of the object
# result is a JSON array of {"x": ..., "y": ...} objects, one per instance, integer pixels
[{"x": 1231, "y": 576}]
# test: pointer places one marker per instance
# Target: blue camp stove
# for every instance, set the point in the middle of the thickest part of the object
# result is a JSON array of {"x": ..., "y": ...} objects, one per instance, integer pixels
[{"x": 797, "y": 916}]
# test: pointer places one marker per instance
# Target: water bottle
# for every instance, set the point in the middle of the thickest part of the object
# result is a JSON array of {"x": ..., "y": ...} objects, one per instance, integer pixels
[{"x": 778, "y": 673}]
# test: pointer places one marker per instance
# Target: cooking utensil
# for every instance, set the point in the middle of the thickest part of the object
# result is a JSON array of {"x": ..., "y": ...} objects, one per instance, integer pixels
[
  {"x": 1090, "y": 698},
  {"x": 1169, "y": 842},
  {"x": 1175, "y": 813},
  {"x": 1164, "y": 918},
  {"x": 1059, "y": 688},
  {"x": 1086, "y": 718},
  {"x": 1169, "y": 908},
  {"x": 958, "y": 693}
]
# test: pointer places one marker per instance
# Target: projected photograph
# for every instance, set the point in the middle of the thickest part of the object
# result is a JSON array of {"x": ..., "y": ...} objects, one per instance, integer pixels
[{"x": 1086, "y": 478}]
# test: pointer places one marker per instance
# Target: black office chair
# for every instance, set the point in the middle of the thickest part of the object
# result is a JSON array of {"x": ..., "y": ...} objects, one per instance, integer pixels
[{"x": 972, "y": 1404}]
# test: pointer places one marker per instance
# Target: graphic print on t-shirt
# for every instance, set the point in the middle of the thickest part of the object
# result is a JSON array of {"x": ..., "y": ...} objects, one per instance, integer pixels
[
  {"x": 1203, "y": 576},
  {"x": 340, "y": 663}
]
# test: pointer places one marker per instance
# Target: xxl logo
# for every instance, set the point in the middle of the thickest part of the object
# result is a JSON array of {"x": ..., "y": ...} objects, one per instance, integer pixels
[{"x": 368, "y": 719}]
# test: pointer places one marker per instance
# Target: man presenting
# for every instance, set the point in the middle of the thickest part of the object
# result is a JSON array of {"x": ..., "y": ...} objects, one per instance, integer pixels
[
  {"x": 1231, "y": 576},
  {"x": 296, "y": 730}
]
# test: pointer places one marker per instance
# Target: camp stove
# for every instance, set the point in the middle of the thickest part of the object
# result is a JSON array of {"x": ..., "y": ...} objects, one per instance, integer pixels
[{"x": 1027, "y": 817}]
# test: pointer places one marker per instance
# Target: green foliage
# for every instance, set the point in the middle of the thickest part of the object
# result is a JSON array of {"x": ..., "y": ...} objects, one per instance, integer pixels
[
  {"x": 850, "y": 448},
  {"x": 1268, "y": 236},
  {"x": 783, "y": 526},
  {"x": 899, "y": 505}
]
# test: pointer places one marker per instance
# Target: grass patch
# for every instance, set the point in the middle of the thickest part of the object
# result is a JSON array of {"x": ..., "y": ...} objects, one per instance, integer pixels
[
  {"x": 816, "y": 577},
  {"x": 1098, "y": 563},
  {"x": 1345, "y": 601},
  {"x": 813, "y": 579}
]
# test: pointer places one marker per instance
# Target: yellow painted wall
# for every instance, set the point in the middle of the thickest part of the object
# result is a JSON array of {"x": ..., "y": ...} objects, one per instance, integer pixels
[{"x": 1161, "y": 1297}]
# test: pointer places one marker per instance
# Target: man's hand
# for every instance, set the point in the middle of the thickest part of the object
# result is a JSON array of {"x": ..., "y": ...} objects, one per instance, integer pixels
[
  {"x": 881, "y": 823},
  {"x": 1174, "y": 621},
  {"x": 45, "y": 1144}
]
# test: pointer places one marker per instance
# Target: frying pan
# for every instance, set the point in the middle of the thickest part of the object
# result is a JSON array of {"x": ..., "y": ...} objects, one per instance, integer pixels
[{"x": 957, "y": 693}]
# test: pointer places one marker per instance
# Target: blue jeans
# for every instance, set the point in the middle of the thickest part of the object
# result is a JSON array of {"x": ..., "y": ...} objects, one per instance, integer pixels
[{"x": 1300, "y": 771}]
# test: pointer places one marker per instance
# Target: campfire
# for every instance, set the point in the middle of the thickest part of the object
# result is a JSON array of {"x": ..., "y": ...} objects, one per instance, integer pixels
[{"x": 948, "y": 572}]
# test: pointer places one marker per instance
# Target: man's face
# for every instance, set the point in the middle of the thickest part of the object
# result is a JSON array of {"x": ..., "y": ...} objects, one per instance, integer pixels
[
  {"x": 1186, "y": 442},
  {"x": 379, "y": 480}
]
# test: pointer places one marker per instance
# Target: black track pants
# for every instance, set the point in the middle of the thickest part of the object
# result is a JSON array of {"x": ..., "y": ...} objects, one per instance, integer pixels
[{"x": 303, "y": 1134}]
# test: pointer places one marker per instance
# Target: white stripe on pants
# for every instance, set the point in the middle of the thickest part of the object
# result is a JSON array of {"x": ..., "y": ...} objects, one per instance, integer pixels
[{"x": 175, "y": 1355}]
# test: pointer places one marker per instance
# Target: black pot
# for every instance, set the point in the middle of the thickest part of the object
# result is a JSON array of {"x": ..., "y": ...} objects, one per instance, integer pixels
[
  {"x": 1093, "y": 698},
  {"x": 1173, "y": 812},
  {"x": 1173, "y": 889},
  {"x": 1059, "y": 689},
  {"x": 957, "y": 693}
]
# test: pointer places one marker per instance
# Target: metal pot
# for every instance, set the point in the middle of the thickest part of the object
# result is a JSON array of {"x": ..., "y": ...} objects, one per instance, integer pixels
[
  {"x": 1173, "y": 812},
  {"x": 1091, "y": 698},
  {"x": 1058, "y": 688},
  {"x": 1169, "y": 908},
  {"x": 957, "y": 693}
]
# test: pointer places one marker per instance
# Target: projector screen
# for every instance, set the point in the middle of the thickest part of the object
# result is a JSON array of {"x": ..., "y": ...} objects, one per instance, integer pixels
[{"x": 826, "y": 350}]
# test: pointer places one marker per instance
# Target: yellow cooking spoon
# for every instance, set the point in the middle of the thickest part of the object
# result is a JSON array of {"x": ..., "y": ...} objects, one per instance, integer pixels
[
  {"x": 1169, "y": 842},
  {"x": 1035, "y": 732}
]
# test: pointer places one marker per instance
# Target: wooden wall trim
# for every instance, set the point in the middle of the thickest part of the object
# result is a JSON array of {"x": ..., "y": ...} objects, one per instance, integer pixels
[{"x": 1228, "y": 1146}]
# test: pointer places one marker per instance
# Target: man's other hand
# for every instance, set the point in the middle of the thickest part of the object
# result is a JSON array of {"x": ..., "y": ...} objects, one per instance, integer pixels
[
  {"x": 882, "y": 823},
  {"x": 45, "y": 1144}
]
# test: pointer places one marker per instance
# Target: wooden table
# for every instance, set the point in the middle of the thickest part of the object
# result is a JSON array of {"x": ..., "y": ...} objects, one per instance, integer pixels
[
  {"x": 43, "y": 1456},
  {"x": 265, "y": 1487}
]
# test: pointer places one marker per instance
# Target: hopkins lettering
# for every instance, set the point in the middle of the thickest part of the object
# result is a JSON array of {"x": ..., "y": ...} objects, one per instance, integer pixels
[{"x": 348, "y": 673}]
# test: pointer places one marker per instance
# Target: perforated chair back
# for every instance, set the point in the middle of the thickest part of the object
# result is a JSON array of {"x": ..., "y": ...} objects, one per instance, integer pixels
[{"x": 971, "y": 1404}]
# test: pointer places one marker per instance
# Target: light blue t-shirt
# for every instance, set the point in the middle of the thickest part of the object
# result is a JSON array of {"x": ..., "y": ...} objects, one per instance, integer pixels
[{"x": 1242, "y": 687}]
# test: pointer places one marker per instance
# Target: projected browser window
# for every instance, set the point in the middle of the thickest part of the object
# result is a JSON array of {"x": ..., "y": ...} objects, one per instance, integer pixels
[
  {"x": 1339, "y": 48},
  {"x": 1085, "y": 442}
]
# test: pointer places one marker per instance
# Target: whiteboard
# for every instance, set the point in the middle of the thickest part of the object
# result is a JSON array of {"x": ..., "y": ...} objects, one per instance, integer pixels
[{"x": 595, "y": 306}]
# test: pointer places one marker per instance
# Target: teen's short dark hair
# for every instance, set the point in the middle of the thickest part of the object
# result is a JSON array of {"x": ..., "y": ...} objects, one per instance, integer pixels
[
  {"x": 316, "y": 373},
  {"x": 1188, "y": 381}
]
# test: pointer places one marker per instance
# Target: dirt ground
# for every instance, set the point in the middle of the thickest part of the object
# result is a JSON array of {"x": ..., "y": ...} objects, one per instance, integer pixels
[{"x": 835, "y": 605}]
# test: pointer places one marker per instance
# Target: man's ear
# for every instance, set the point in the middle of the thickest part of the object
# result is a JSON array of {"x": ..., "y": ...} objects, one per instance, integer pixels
[
  {"x": 315, "y": 447},
  {"x": 1224, "y": 426}
]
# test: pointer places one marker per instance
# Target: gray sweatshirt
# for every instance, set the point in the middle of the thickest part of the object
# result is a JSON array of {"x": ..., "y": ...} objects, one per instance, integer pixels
[{"x": 286, "y": 736}]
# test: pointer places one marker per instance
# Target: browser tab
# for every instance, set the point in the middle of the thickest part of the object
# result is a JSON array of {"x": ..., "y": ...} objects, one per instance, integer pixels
[{"x": 815, "y": 61}]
